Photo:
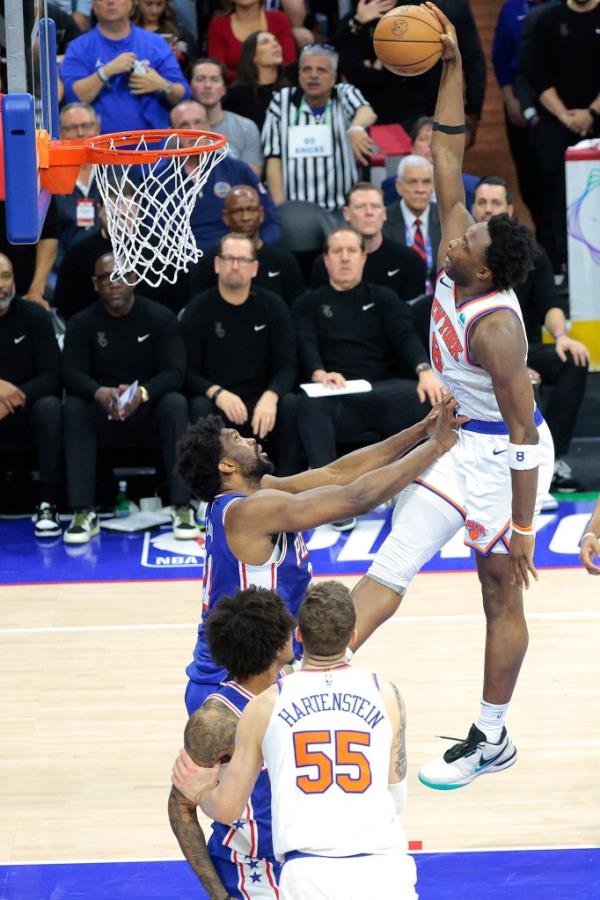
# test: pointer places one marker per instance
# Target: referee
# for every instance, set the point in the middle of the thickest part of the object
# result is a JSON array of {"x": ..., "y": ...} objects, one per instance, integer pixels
[{"x": 315, "y": 135}]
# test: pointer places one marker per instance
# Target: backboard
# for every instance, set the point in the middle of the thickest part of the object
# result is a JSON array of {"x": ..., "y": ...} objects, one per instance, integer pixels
[{"x": 29, "y": 104}]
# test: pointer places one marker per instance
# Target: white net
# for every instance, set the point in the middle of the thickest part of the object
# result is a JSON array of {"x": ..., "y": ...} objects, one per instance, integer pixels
[{"x": 149, "y": 207}]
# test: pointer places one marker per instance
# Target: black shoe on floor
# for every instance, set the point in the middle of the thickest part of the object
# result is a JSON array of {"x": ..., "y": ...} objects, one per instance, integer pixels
[{"x": 46, "y": 521}]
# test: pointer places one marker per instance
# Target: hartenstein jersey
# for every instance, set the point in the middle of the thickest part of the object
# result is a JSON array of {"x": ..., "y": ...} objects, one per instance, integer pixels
[
  {"x": 250, "y": 835},
  {"x": 288, "y": 572},
  {"x": 327, "y": 748},
  {"x": 449, "y": 334}
]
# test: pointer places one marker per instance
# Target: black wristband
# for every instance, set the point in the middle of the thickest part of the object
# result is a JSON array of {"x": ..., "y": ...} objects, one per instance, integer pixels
[
  {"x": 216, "y": 394},
  {"x": 449, "y": 129}
]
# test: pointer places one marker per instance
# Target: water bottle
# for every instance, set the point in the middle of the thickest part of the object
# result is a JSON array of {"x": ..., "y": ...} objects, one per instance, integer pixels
[{"x": 122, "y": 501}]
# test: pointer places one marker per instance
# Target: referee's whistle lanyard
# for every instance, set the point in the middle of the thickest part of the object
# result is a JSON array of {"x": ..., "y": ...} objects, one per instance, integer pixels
[{"x": 313, "y": 139}]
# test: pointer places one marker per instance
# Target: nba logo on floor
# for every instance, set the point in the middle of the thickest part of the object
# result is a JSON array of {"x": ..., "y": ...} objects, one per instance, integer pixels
[{"x": 162, "y": 551}]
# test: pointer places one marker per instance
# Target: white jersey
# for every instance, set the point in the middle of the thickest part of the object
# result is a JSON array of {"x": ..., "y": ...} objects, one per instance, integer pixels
[
  {"x": 327, "y": 749},
  {"x": 449, "y": 334}
]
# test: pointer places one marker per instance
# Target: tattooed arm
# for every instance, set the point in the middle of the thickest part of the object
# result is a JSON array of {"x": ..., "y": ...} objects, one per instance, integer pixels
[
  {"x": 397, "y": 713},
  {"x": 209, "y": 739}
]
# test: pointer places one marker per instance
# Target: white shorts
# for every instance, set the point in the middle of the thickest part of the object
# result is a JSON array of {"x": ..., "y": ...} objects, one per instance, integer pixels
[
  {"x": 349, "y": 878},
  {"x": 470, "y": 488}
]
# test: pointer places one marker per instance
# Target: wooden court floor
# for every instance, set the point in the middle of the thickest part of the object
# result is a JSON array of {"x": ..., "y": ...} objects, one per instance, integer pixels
[{"x": 91, "y": 715}]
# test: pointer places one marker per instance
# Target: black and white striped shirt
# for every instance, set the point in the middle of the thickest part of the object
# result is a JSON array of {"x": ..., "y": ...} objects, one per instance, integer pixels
[{"x": 322, "y": 180}]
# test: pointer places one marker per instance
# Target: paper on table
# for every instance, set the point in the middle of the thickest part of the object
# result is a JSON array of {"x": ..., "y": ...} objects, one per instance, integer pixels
[
  {"x": 357, "y": 386},
  {"x": 128, "y": 395}
]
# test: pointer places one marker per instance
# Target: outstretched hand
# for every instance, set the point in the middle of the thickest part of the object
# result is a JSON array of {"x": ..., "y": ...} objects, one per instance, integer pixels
[{"x": 448, "y": 36}]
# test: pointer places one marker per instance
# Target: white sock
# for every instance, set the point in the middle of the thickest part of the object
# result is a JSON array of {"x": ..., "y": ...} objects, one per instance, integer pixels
[{"x": 491, "y": 720}]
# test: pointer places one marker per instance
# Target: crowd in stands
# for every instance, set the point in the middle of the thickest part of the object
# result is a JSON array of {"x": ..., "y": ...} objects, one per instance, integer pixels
[{"x": 295, "y": 93}]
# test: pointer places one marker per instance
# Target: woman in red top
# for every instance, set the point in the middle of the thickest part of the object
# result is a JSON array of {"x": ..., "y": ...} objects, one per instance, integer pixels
[{"x": 227, "y": 33}]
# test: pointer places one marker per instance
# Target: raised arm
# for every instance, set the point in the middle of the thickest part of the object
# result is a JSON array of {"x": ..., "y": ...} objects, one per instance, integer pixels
[
  {"x": 497, "y": 345},
  {"x": 448, "y": 142},
  {"x": 209, "y": 739},
  {"x": 269, "y": 511}
]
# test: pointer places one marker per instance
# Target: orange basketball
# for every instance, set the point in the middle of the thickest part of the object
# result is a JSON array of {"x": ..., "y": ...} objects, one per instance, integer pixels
[{"x": 407, "y": 40}]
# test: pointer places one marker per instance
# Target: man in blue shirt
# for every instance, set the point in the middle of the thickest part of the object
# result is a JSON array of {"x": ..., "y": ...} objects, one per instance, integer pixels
[
  {"x": 207, "y": 221},
  {"x": 129, "y": 75}
]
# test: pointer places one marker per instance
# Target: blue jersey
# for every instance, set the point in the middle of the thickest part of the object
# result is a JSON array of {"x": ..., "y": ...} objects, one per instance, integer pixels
[
  {"x": 242, "y": 852},
  {"x": 288, "y": 571},
  {"x": 118, "y": 108}
]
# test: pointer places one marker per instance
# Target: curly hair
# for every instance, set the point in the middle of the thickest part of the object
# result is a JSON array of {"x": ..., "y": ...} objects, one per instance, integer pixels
[
  {"x": 246, "y": 632},
  {"x": 197, "y": 457},
  {"x": 511, "y": 253}
]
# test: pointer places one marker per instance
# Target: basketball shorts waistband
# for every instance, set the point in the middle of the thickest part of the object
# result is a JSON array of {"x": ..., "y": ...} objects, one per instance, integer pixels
[
  {"x": 481, "y": 427},
  {"x": 298, "y": 854}
]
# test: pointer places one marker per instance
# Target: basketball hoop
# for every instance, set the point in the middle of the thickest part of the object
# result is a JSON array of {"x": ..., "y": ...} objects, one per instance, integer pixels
[{"x": 149, "y": 182}]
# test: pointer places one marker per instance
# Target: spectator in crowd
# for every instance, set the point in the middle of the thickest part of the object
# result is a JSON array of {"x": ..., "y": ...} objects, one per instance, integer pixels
[
  {"x": 421, "y": 146},
  {"x": 227, "y": 33},
  {"x": 68, "y": 25},
  {"x": 129, "y": 75},
  {"x": 242, "y": 354},
  {"x": 30, "y": 408},
  {"x": 388, "y": 264},
  {"x": 562, "y": 67},
  {"x": 260, "y": 75},
  {"x": 396, "y": 98},
  {"x": 414, "y": 221},
  {"x": 74, "y": 289},
  {"x": 120, "y": 339},
  {"x": 315, "y": 134},
  {"x": 562, "y": 366},
  {"x": 207, "y": 220},
  {"x": 78, "y": 211},
  {"x": 78, "y": 10},
  {"x": 32, "y": 263},
  {"x": 278, "y": 270},
  {"x": 160, "y": 17},
  {"x": 208, "y": 84},
  {"x": 351, "y": 329},
  {"x": 505, "y": 55}
]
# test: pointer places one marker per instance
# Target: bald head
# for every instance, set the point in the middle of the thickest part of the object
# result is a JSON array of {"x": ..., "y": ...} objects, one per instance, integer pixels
[{"x": 243, "y": 212}]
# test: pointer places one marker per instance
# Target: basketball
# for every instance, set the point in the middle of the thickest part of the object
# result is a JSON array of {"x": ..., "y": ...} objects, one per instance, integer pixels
[{"x": 407, "y": 40}]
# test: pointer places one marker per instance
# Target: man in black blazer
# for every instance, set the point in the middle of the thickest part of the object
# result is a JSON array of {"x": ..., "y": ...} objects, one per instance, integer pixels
[{"x": 414, "y": 220}]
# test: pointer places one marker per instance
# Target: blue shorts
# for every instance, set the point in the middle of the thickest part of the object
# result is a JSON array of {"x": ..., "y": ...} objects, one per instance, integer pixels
[{"x": 246, "y": 878}]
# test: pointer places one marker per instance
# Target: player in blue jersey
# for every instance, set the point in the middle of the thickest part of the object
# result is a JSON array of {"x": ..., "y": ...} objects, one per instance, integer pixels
[
  {"x": 250, "y": 636},
  {"x": 254, "y": 520}
]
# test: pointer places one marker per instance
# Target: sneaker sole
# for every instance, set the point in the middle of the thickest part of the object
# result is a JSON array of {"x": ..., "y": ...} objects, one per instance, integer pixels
[
  {"x": 47, "y": 533},
  {"x": 186, "y": 535},
  {"x": 497, "y": 767},
  {"x": 81, "y": 538}
]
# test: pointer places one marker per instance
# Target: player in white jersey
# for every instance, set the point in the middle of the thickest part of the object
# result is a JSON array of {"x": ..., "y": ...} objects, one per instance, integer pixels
[
  {"x": 332, "y": 738},
  {"x": 491, "y": 485}
]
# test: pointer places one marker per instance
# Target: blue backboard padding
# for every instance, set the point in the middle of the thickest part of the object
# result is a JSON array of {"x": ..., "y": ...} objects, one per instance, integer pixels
[
  {"x": 26, "y": 206},
  {"x": 486, "y": 875}
]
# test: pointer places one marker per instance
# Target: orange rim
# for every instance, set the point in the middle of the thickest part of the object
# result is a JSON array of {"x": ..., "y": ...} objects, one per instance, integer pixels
[{"x": 59, "y": 161}]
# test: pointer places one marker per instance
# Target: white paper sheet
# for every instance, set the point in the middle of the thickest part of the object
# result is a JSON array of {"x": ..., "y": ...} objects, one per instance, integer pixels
[{"x": 358, "y": 386}]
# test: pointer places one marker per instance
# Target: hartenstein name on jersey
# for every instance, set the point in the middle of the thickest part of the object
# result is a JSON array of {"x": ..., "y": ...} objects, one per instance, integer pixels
[
  {"x": 337, "y": 701},
  {"x": 446, "y": 329}
]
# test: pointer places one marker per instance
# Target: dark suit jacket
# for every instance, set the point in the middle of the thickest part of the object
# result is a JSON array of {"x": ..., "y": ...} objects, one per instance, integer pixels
[{"x": 395, "y": 230}]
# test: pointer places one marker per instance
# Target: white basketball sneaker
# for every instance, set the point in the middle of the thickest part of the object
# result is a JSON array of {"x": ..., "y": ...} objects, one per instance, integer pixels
[{"x": 468, "y": 759}]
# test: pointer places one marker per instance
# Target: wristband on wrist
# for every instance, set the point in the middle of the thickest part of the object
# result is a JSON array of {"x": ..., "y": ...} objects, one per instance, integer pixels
[
  {"x": 356, "y": 128},
  {"x": 525, "y": 530},
  {"x": 218, "y": 391},
  {"x": 562, "y": 334},
  {"x": 423, "y": 367},
  {"x": 586, "y": 535},
  {"x": 523, "y": 456},
  {"x": 168, "y": 87},
  {"x": 101, "y": 73}
]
